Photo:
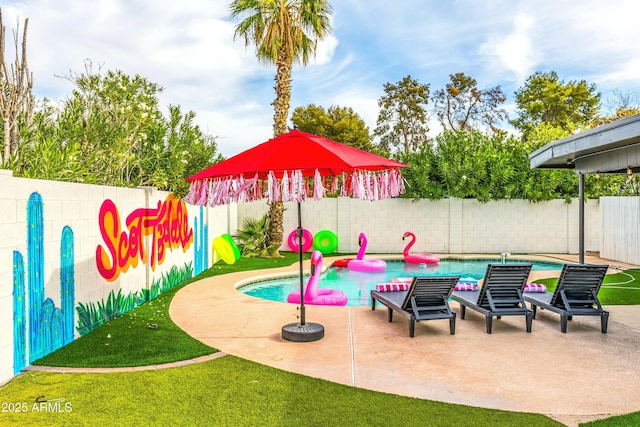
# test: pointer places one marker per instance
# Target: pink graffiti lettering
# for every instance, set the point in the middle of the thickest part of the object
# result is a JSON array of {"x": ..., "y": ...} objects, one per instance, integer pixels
[{"x": 168, "y": 226}]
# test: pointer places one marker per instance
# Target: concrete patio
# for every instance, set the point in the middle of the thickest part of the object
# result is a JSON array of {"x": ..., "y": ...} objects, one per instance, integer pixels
[{"x": 574, "y": 377}]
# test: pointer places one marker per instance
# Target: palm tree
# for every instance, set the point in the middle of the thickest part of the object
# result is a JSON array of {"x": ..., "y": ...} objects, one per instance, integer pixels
[
  {"x": 252, "y": 237},
  {"x": 284, "y": 32}
]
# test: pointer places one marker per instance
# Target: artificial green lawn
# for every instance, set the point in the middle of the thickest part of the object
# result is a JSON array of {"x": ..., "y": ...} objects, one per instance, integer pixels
[
  {"x": 628, "y": 420},
  {"x": 128, "y": 341},
  {"x": 229, "y": 390}
]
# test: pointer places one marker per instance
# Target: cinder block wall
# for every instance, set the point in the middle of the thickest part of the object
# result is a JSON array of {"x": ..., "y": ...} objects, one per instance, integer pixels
[
  {"x": 444, "y": 226},
  {"x": 77, "y": 207}
]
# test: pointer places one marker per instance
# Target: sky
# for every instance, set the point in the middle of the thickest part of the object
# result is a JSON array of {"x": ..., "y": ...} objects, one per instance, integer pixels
[{"x": 188, "y": 48}]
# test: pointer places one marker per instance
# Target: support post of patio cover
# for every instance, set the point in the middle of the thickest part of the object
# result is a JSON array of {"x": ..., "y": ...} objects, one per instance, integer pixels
[
  {"x": 581, "y": 218},
  {"x": 302, "y": 332}
]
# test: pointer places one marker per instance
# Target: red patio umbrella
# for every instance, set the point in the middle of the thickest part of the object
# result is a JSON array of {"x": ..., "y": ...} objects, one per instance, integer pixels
[{"x": 293, "y": 167}]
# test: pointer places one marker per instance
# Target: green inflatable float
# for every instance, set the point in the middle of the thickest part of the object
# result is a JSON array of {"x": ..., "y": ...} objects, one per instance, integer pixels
[{"x": 325, "y": 241}]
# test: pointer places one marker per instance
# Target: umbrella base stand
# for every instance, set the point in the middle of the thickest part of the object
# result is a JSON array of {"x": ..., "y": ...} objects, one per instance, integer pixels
[{"x": 298, "y": 332}]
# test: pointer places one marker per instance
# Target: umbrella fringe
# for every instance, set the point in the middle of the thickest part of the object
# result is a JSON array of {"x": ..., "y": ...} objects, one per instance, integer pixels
[
  {"x": 334, "y": 185},
  {"x": 285, "y": 187},
  {"x": 376, "y": 186},
  {"x": 347, "y": 182},
  {"x": 319, "y": 189},
  {"x": 273, "y": 188},
  {"x": 301, "y": 194},
  {"x": 294, "y": 187}
]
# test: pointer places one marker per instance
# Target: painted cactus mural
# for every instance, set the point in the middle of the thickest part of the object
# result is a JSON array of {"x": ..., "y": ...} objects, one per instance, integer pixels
[
  {"x": 46, "y": 345},
  {"x": 35, "y": 265},
  {"x": 92, "y": 315},
  {"x": 40, "y": 327},
  {"x": 67, "y": 283},
  {"x": 49, "y": 327},
  {"x": 200, "y": 253},
  {"x": 19, "y": 318}
]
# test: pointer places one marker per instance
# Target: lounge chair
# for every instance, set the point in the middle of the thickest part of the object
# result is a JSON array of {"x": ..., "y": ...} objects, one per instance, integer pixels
[
  {"x": 426, "y": 299},
  {"x": 500, "y": 294},
  {"x": 575, "y": 295}
]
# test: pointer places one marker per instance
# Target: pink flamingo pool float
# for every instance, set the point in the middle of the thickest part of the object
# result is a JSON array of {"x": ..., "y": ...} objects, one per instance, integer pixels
[
  {"x": 314, "y": 295},
  {"x": 361, "y": 264},
  {"x": 423, "y": 258}
]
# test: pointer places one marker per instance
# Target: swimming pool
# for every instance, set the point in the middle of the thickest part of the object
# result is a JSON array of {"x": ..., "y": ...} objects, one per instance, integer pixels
[{"x": 357, "y": 285}]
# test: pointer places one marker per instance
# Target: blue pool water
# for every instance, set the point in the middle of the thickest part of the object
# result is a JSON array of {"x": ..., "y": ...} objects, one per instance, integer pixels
[{"x": 357, "y": 285}]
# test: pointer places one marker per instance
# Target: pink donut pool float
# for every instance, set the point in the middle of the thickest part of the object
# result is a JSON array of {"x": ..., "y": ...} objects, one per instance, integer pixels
[
  {"x": 307, "y": 240},
  {"x": 362, "y": 264},
  {"x": 367, "y": 265},
  {"x": 314, "y": 295}
]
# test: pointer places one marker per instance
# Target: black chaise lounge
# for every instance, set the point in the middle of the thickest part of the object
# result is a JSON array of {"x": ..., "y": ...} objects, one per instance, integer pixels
[
  {"x": 575, "y": 295},
  {"x": 500, "y": 294},
  {"x": 426, "y": 299}
]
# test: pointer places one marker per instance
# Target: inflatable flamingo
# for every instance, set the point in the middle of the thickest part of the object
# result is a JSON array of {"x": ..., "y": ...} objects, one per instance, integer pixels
[
  {"x": 361, "y": 264},
  {"x": 314, "y": 295},
  {"x": 423, "y": 258}
]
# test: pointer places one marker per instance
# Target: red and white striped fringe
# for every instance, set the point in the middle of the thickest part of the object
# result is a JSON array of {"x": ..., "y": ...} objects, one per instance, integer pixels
[{"x": 293, "y": 187}]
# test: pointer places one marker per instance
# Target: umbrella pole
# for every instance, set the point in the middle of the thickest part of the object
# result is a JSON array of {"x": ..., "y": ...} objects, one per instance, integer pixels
[
  {"x": 302, "y": 332},
  {"x": 299, "y": 233}
]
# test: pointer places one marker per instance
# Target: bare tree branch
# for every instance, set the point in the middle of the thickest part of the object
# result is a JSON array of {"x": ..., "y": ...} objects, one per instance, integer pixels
[{"x": 16, "y": 96}]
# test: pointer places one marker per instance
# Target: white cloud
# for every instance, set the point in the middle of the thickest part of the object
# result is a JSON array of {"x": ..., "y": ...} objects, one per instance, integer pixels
[
  {"x": 512, "y": 55},
  {"x": 325, "y": 50}
]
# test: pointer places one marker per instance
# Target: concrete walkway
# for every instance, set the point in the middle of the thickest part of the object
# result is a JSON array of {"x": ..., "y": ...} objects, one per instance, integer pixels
[{"x": 574, "y": 377}]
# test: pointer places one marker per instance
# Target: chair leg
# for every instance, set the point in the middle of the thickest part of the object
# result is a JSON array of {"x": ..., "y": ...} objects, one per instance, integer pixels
[
  {"x": 412, "y": 327},
  {"x": 529, "y": 322},
  {"x": 463, "y": 309},
  {"x": 489, "y": 324},
  {"x": 604, "y": 321},
  {"x": 563, "y": 323},
  {"x": 452, "y": 324}
]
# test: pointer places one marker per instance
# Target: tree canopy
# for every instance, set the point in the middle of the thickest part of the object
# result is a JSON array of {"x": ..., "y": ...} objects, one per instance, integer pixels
[
  {"x": 461, "y": 104},
  {"x": 340, "y": 124},
  {"x": 402, "y": 119},
  {"x": 545, "y": 98},
  {"x": 472, "y": 164},
  {"x": 110, "y": 131}
]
